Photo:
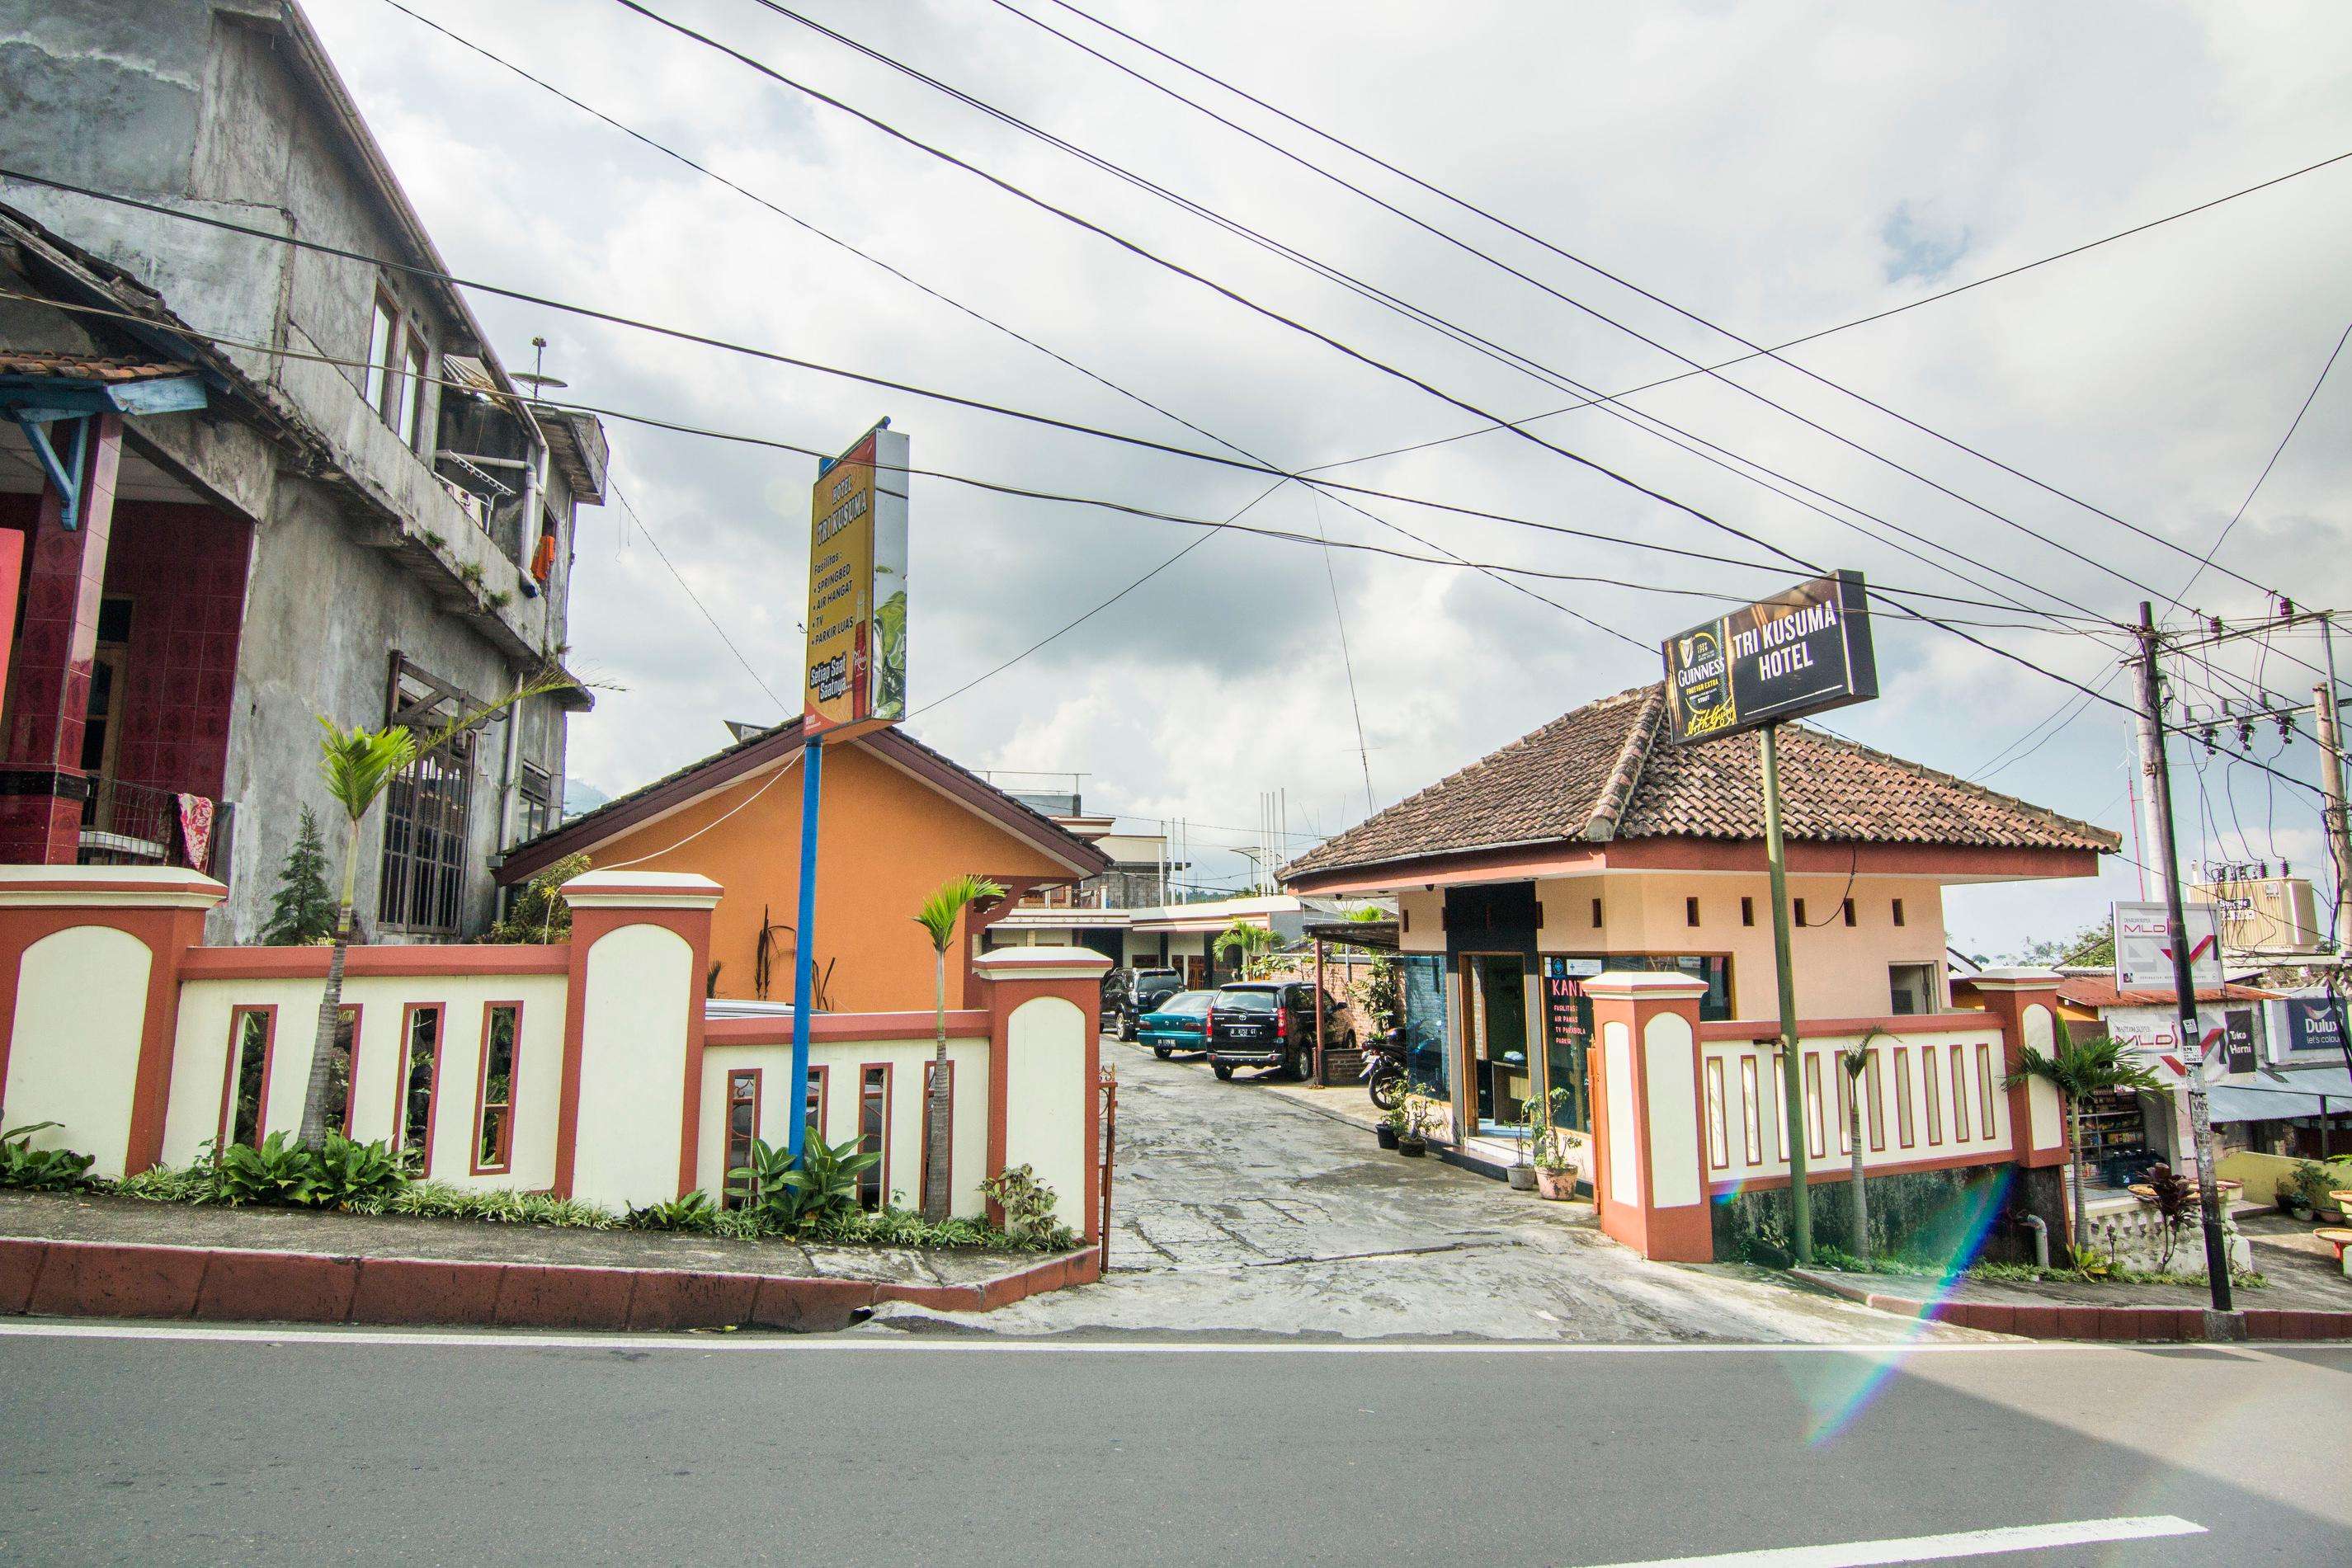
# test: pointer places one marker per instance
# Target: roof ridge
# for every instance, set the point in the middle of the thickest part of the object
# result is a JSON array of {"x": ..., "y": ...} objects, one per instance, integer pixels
[{"x": 1626, "y": 772}]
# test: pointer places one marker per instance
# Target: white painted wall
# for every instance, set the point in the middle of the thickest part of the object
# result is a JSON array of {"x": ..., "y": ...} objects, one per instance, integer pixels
[
  {"x": 2045, "y": 1117},
  {"x": 844, "y": 1061},
  {"x": 1617, "y": 1062},
  {"x": 1733, "y": 1159},
  {"x": 639, "y": 981},
  {"x": 1668, "y": 1063},
  {"x": 81, "y": 1001},
  {"x": 200, "y": 1064},
  {"x": 1047, "y": 1113}
]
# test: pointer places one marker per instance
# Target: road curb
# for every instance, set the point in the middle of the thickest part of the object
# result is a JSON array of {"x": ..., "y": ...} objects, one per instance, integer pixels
[
  {"x": 115, "y": 1280},
  {"x": 2068, "y": 1320}
]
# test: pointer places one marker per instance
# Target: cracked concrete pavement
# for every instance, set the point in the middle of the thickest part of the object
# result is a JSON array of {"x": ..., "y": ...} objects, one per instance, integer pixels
[{"x": 1238, "y": 1211}]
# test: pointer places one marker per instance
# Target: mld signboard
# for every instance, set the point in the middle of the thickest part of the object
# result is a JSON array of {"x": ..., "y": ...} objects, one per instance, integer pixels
[
  {"x": 1804, "y": 651},
  {"x": 857, "y": 669},
  {"x": 2144, "y": 947}
]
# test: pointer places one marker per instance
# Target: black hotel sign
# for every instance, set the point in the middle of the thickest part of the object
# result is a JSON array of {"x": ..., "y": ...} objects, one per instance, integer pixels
[{"x": 1804, "y": 651}]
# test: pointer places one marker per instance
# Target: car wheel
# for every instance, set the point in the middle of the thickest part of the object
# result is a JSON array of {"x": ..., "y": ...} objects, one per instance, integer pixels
[
  {"x": 1223, "y": 1071},
  {"x": 1126, "y": 1028},
  {"x": 1302, "y": 1066},
  {"x": 1162, "y": 1052}
]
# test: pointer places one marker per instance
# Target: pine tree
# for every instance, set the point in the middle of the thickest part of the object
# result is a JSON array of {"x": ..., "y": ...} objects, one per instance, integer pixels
[{"x": 302, "y": 910}]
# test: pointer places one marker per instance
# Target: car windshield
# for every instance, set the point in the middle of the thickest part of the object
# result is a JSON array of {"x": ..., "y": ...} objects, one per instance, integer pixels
[
  {"x": 1191, "y": 1004},
  {"x": 1246, "y": 1001}
]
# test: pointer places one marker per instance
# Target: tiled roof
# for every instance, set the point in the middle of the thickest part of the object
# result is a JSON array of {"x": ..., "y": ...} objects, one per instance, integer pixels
[
  {"x": 1605, "y": 771},
  {"x": 2093, "y": 993},
  {"x": 85, "y": 367}
]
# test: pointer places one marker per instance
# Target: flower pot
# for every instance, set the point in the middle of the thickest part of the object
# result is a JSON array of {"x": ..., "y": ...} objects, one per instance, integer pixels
[
  {"x": 1412, "y": 1148},
  {"x": 1522, "y": 1179},
  {"x": 1385, "y": 1135},
  {"x": 1558, "y": 1186}
]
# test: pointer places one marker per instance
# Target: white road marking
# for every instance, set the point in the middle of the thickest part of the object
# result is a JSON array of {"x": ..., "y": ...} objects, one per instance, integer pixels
[
  {"x": 766, "y": 1344},
  {"x": 1938, "y": 1548}
]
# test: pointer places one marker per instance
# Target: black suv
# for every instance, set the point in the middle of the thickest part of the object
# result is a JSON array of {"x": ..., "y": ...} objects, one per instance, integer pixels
[
  {"x": 1271, "y": 1023},
  {"x": 1128, "y": 994}
]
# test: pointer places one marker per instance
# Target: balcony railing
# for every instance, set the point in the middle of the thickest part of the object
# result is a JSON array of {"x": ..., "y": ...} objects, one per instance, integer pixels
[{"x": 134, "y": 824}]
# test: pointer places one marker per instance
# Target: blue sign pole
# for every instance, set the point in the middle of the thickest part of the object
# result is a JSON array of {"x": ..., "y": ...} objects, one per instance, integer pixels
[{"x": 805, "y": 949}]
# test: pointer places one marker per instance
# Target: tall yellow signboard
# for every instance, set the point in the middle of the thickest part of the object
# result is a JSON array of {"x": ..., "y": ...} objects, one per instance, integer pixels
[{"x": 857, "y": 670}]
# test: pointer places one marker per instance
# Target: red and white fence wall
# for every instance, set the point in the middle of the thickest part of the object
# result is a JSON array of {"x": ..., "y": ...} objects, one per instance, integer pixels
[
  {"x": 1686, "y": 1111},
  {"x": 585, "y": 1068}
]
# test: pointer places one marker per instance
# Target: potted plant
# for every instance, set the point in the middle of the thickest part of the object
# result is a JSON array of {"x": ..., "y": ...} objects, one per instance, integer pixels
[
  {"x": 1392, "y": 1126},
  {"x": 2296, "y": 1189},
  {"x": 1555, "y": 1171},
  {"x": 1420, "y": 1114}
]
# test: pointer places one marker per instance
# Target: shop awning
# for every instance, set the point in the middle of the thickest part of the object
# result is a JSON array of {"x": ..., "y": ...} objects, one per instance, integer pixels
[{"x": 2280, "y": 1096}]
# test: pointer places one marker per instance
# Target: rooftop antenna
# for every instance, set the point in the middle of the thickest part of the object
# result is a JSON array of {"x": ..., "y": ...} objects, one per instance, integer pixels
[{"x": 539, "y": 382}]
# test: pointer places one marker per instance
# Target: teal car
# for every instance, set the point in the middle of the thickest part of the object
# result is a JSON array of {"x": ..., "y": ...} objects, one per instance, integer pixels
[{"x": 1179, "y": 1023}]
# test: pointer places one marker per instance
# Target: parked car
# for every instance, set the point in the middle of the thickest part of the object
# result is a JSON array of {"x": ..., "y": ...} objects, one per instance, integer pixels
[
  {"x": 1271, "y": 1023},
  {"x": 1128, "y": 994},
  {"x": 1178, "y": 1023}
]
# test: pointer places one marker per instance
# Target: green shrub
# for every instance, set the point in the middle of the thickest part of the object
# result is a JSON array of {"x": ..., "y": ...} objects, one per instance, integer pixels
[
  {"x": 497, "y": 1206},
  {"x": 41, "y": 1170},
  {"x": 161, "y": 1184},
  {"x": 357, "y": 1176},
  {"x": 1028, "y": 1206},
  {"x": 273, "y": 1172},
  {"x": 694, "y": 1212},
  {"x": 822, "y": 1188}
]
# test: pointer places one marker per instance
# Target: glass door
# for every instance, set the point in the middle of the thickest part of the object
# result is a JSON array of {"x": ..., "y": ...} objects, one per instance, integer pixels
[{"x": 1494, "y": 991}]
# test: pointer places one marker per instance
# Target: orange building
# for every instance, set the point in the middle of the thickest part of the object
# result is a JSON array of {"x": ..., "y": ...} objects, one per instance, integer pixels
[{"x": 899, "y": 819}]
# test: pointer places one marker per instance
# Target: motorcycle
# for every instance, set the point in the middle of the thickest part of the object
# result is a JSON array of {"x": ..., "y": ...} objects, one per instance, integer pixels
[{"x": 1383, "y": 1072}]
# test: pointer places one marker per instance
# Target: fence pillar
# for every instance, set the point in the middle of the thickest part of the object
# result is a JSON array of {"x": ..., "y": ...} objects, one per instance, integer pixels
[
  {"x": 628, "y": 1122},
  {"x": 90, "y": 1002},
  {"x": 2025, "y": 1003},
  {"x": 1044, "y": 1052},
  {"x": 1649, "y": 1169}
]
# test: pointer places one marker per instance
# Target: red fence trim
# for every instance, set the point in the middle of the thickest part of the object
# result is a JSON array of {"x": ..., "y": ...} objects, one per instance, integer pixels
[
  {"x": 963, "y": 1024},
  {"x": 311, "y": 963},
  {"x": 1821, "y": 1029}
]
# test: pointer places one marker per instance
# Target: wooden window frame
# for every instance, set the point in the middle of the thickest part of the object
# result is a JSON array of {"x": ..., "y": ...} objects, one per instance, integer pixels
[
  {"x": 1751, "y": 1112},
  {"x": 1960, "y": 1134},
  {"x": 1718, "y": 1118},
  {"x": 1816, "y": 1135},
  {"x": 1986, "y": 1118},
  {"x": 382, "y": 352},
  {"x": 504, "y": 1164},
  {"x": 416, "y": 367},
  {"x": 403, "y": 1065},
  {"x": 267, "y": 1014},
  {"x": 1874, "y": 1112},
  {"x": 881, "y": 1171},
  {"x": 727, "y": 1163},
  {"x": 1905, "y": 1133},
  {"x": 1931, "y": 1084}
]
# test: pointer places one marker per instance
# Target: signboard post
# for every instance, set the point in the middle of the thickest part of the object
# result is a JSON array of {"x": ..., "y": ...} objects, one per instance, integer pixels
[
  {"x": 1803, "y": 651},
  {"x": 855, "y": 677}
]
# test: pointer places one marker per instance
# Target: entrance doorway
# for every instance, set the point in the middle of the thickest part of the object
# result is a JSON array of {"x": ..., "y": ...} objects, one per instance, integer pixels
[{"x": 1497, "y": 1074}]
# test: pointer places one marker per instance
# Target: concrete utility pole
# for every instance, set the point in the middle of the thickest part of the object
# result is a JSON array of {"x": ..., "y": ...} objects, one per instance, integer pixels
[
  {"x": 2150, "y": 734},
  {"x": 1792, "y": 1078},
  {"x": 2338, "y": 824},
  {"x": 2192, "y": 1054}
]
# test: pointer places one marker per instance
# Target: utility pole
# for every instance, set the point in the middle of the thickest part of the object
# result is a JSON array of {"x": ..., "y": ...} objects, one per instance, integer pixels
[
  {"x": 2150, "y": 730},
  {"x": 2192, "y": 1054},
  {"x": 1792, "y": 1077},
  {"x": 2338, "y": 824}
]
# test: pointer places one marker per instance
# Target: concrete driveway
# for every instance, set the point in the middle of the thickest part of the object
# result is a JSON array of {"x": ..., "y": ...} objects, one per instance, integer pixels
[{"x": 1240, "y": 1210}]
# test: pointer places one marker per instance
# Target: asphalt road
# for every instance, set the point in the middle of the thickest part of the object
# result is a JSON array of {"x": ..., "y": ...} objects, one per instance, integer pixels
[{"x": 885, "y": 1449}]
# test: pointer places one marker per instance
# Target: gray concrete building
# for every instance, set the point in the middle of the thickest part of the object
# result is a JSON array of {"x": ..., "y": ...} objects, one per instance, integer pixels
[{"x": 244, "y": 483}]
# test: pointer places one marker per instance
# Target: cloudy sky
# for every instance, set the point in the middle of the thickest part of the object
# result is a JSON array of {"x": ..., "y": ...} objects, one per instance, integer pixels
[{"x": 1773, "y": 169}]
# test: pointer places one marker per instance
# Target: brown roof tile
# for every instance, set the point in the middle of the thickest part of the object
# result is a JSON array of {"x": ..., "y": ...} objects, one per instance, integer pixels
[
  {"x": 1604, "y": 772},
  {"x": 85, "y": 367}
]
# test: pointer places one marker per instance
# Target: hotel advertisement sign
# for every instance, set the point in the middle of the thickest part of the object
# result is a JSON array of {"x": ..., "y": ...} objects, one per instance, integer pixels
[
  {"x": 857, "y": 669},
  {"x": 1804, "y": 651}
]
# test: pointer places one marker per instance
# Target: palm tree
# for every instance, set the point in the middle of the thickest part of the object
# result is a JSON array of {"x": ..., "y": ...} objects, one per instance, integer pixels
[
  {"x": 939, "y": 913},
  {"x": 1856, "y": 1062},
  {"x": 1245, "y": 943},
  {"x": 359, "y": 766},
  {"x": 2077, "y": 1071}
]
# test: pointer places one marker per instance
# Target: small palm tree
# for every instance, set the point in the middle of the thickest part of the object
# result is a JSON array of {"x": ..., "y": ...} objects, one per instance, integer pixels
[
  {"x": 1855, "y": 1063},
  {"x": 2077, "y": 1071},
  {"x": 938, "y": 917},
  {"x": 359, "y": 766},
  {"x": 1246, "y": 945}
]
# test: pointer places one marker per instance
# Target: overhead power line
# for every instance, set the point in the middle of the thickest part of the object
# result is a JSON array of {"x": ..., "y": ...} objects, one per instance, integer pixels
[{"x": 1625, "y": 283}]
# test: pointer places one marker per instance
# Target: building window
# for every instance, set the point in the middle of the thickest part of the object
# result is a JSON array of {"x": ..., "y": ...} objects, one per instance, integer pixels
[
  {"x": 244, "y": 1092},
  {"x": 874, "y": 1135},
  {"x": 409, "y": 425},
  {"x": 1898, "y": 912},
  {"x": 415, "y": 1080},
  {"x": 742, "y": 1127},
  {"x": 1690, "y": 911},
  {"x": 1748, "y": 912},
  {"x": 426, "y": 815},
  {"x": 1596, "y": 915},
  {"x": 384, "y": 329},
  {"x": 494, "y": 1126},
  {"x": 535, "y": 795},
  {"x": 1914, "y": 988},
  {"x": 1801, "y": 913},
  {"x": 1847, "y": 910}
]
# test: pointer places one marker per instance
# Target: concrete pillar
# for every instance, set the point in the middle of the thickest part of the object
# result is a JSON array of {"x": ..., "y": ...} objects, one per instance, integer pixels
[
  {"x": 1044, "y": 1046},
  {"x": 2025, "y": 1002},
  {"x": 90, "y": 1002},
  {"x": 1649, "y": 1111},
  {"x": 628, "y": 1121},
  {"x": 41, "y": 781}
]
